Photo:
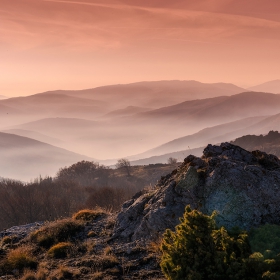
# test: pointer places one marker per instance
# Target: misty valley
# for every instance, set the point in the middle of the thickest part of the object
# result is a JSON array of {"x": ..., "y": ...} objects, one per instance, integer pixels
[
  {"x": 139, "y": 140},
  {"x": 93, "y": 178}
]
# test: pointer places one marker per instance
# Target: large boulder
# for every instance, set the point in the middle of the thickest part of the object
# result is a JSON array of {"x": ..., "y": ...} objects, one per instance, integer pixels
[{"x": 243, "y": 187}]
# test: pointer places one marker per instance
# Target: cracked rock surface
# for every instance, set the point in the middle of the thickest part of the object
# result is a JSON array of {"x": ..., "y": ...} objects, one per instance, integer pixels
[{"x": 244, "y": 187}]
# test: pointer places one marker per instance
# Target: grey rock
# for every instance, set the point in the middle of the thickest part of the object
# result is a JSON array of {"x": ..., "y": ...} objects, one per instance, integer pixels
[
  {"x": 243, "y": 187},
  {"x": 21, "y": 231}
]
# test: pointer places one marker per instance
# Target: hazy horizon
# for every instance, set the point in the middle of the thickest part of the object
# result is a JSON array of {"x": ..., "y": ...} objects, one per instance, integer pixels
[
  {"x": 126, "y": 78},
  {"x": 51, "y": 44}
]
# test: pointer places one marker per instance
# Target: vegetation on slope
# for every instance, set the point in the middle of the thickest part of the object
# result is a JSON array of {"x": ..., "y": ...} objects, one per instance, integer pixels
[
  {"x": 199, "y": 250},
  {"x": 80, "y": 247},
  {"x": 269, "y": 143},
  {"x": 81, "y": 185}
]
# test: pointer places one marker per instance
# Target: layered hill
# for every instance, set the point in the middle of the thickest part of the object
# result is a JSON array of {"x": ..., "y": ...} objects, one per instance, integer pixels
[
  {"x": 24, "y": 158},
  {"x": 271, "y": 86},
  {"x": 131, "y": 117},
  {"x": 212, "y": 110},
  {"x": 215, "y": 134},
  {"x": 155, "y": 94},
  {"x": 269, "y": 143},
  {"x": 55, "y": 104}
]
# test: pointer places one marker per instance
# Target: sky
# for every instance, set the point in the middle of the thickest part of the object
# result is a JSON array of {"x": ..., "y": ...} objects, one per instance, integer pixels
[{"x": 64, "y": 44}]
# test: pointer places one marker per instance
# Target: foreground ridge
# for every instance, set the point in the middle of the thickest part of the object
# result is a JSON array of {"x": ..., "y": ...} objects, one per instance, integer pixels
[{"x": 242, "y": 186}]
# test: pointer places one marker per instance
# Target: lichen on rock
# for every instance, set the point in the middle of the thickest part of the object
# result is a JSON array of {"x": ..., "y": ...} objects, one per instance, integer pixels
[{"x": 244, "y": 188}]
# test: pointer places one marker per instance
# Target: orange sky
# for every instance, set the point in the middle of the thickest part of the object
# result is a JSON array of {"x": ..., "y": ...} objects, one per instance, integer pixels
[{"x": 63, "y": 44}]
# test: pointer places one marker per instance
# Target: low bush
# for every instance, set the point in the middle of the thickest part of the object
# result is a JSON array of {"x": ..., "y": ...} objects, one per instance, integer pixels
[
  {"x": 266, "y": 240},
  {"x": 197, "y": 249},
  {"x": 20, "y": 258},
  {"x": 88, "y": 214},
  {"x": 28, "y": 275},
  {"x": 55, "y": 232},
  {"x": 8, "y": 240},
  {"x": 60, "y": 250}
]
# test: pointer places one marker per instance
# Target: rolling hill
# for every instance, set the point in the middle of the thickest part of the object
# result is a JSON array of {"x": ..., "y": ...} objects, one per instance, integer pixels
[
  {"x": 154, "y": 94},
  {"x": 35, "y": 136},
  {"x": 127, "y": 111},
  {"x": 60, "y": 128},
  {"x": 269, "y": 143},
  {"x": 216, "y": 134},
  {"x": 271, "y": 86},
  {"x": 218, "y": 109},
  {"x": 55, "y": 105},
  {"x": 24, "y": 158}
]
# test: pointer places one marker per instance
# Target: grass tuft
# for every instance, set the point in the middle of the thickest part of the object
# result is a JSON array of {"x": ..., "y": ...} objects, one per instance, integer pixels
[
  {"x": 21, "y": 258},
  {"x": 56, "y": 232},
  {"x": 89, "y": 214},
  {"x": 60, "y": 250}
]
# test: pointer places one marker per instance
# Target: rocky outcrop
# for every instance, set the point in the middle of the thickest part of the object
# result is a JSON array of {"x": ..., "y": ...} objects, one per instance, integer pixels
[{"x": 243, "y": 187}]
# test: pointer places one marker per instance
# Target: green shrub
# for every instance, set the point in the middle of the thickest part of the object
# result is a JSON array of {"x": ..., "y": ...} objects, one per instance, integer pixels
[
  {"x": 59, "y": 250},
  {"x": 266, "y": 240},
  {"x": 55, "y": 232},
  {"x": 196, "y": 250}
]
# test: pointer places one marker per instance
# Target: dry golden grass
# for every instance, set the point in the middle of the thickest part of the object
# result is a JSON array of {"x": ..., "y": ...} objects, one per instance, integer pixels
[
  {"x": 55, "y": 232},
  {"x": 108, "y": 251},
  {"x": 29, "y": 275},
  {"x": 97, "y": 276},
  {"x": 8, "y": 240},
  {"x": 90, "y": 246},
  {"x": 89, "y": 214},
  {"x": 21, "y": 258},
  {"x": 60, "y": 250},
  {"x": 91, "y": 234},
  {"x": 41, "y": 274}
]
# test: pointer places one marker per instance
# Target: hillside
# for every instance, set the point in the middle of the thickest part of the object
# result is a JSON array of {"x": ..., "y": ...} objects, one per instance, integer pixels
[
  {"x": 269, "y": 143},
  {"x": 215, "y": 134},
  {"x": 155, "y": 94},
  {"x": 48, "y": 105},
  {"x": 212, "y": 110},
  {"x": 129, "y": 110},
  {"x": 59, "y": 127},
  {"x": 271, "y": 86},
  {"x": 25, "y": 159},
  {"x": 35, "y": 136},
  {"x": 97, "y": 244}
]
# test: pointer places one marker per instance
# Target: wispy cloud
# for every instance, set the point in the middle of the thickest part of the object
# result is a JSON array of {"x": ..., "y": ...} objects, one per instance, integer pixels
[{"x": 114, "y": 6}]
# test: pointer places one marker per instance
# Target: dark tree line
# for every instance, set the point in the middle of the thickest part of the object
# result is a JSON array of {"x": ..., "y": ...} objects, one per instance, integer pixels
[{"x": 82, "y": 185}]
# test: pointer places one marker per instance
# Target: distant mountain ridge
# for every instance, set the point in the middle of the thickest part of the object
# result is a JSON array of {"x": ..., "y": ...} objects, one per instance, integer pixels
[
  {"x": 154, "y": 94},
  {"x": 269, "y": 143},
  {"x": 271, "y": 86},
  {"x": 24, "y": 158}
]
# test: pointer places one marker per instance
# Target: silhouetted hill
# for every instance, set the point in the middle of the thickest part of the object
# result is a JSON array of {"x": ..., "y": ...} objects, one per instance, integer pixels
[
  {"x": 54, "y": 104},
  {"x": 269, "y": 143},
  {"x": 154, "y": 94},
  {"x": 130, "y": 110},
  {"x": 35, "y": 136},
  {"x": 271, "y": 86},
  {"x": 59, "y": 127},
  {"x": 215, "y": 134},
  {"x": 218, "y": 109},
  {"x": 24, "y": 158}
]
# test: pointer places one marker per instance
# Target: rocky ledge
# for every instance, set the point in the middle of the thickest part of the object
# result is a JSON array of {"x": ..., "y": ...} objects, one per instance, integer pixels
[{"x": 244, "y": 188}]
